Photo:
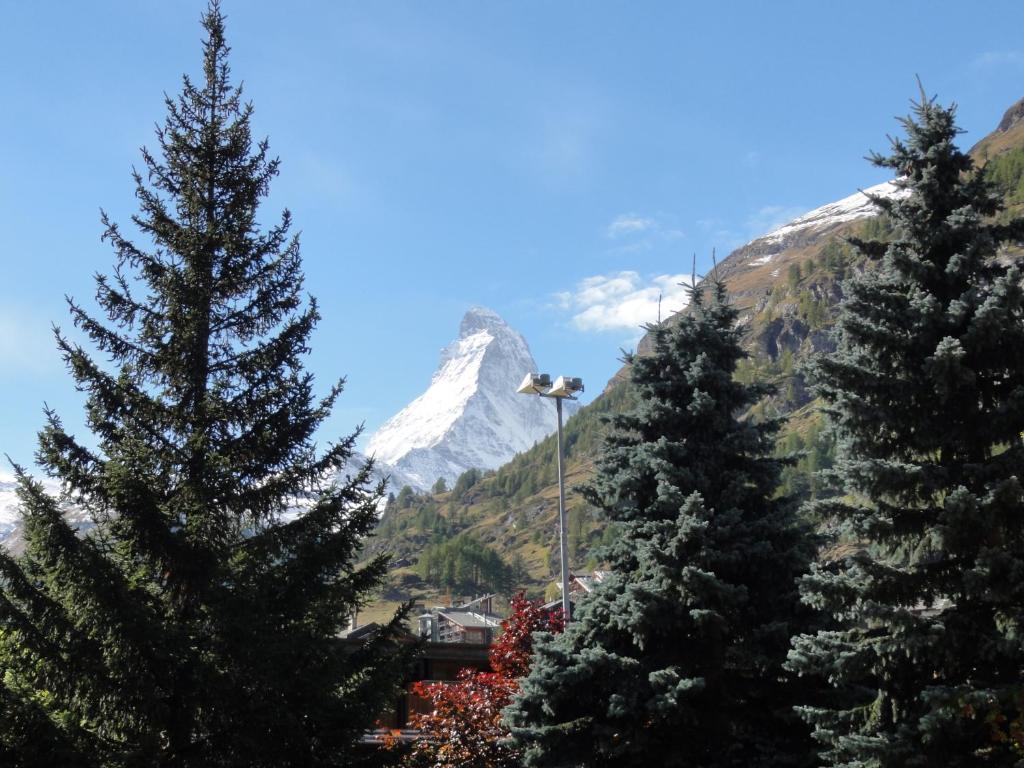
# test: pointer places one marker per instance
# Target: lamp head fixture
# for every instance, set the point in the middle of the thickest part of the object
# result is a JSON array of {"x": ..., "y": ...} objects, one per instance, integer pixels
[
  {"x": 540, "y": 384},
  {"x": 535, "y": 384},
  {"x": 565, "y": 386}
]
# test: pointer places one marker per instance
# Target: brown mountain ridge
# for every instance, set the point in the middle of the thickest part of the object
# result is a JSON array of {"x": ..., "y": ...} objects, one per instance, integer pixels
[{"x": 787, "y": 285}]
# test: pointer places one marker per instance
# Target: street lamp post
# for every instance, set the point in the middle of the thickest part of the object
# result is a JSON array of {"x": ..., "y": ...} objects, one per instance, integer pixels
[{"x": 563, "y": 388}]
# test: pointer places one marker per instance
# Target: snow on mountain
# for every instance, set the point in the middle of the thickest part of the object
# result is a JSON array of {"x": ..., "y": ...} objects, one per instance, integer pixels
[
  {"x": 394, "y": 476},
  {"x": 856, "y": 206},
  {"x": 8, "y": 507},
  {"x": 470, "y": 416},
  {"x": 10, "y": 517}
]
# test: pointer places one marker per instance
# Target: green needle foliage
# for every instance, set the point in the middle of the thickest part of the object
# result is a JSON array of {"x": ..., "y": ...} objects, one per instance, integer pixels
[
  {"x": 197, "y": 624},
  {"x": 675, "y": 659},
  {"x": 925, "y": 393}
]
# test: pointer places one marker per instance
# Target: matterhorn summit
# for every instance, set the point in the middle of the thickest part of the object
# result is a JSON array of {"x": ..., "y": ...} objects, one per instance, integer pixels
[{"x": 470, "y": 417}]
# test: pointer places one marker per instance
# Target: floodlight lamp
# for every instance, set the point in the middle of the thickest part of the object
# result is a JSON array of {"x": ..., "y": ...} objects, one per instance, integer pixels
[
  {"x": 534, "y": 384},
  {"x": 565, "y": 386}
]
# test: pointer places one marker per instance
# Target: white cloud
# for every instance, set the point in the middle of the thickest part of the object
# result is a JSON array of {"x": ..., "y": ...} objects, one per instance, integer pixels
[
  {"x": 640, "y": 232},
  {"x": 628, "y": 224},
  {"x": 622, "y": 300}
]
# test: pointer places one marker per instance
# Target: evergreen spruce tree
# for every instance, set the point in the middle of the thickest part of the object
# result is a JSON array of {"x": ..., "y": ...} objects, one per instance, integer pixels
[
  {"x": 198, "y": 623},
  {"x": 925, "y": 394},
  {"x": 675, "y": 659}
]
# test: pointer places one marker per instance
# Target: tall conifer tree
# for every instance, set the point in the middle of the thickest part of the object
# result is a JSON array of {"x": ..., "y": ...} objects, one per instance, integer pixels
[
  {"x": 197, "y": 624},
  {"x": 925, "y": 393},
  {"x": 675, "y": 659}
]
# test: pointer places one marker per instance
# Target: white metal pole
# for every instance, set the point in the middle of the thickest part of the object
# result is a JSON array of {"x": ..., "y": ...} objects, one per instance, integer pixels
[{"x": 562, "y": 526}]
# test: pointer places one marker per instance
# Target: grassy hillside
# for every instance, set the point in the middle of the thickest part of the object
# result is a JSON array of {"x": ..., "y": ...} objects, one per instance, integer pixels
[{"x": 788, "y": 305}]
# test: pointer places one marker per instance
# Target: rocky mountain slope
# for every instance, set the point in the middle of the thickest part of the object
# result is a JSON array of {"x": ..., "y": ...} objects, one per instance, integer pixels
[
  {"x": 470, "y": 416},
  {"x": 787, "y": 284}
]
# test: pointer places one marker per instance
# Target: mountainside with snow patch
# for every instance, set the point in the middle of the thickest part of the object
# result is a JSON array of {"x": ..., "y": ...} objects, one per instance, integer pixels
[
  {"x": 10, "y": 517},
  {"x": 787, "y": 285},
  {"x": 470, "y": 416},
  {"x": 8, "y": 508},
  {"x": 857, "y": 206}
]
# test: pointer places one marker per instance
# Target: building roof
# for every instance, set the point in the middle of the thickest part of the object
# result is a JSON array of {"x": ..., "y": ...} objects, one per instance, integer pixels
[
  {"x": 587, "y": 583},
  {"x": 476, "y": 601},
  {"x": 364, "y": 630},
  {"x": 470, "y": 619}
]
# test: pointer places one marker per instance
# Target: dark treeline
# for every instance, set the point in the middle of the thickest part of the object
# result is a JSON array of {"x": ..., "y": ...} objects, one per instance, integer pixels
[{"x": 466, "y": 565}]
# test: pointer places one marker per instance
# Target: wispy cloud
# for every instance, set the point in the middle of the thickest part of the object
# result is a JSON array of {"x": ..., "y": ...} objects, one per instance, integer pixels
[
  {"x": 770, "y": 217},
  {"x": 623, "y": 300},
  {"x": 326, "y": 179},
  {"x": 26, "y": 341},
  {"x": 996, "y": 59},
  {"x": 728, "y": 235},
  {"x": 561, "y": 139},
  {"x": 634, "y": 232},
  {"x": 629, "y": 224}
]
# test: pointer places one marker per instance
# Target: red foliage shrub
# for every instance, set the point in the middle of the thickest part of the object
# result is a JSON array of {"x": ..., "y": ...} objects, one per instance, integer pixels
[{"x": 464, "y": 730}]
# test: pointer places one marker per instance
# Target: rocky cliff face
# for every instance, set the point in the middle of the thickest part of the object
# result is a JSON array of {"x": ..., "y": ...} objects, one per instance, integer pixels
[
  {"x": 470, "y": 416},
  {"x": 1013, "y": 117},
  {"x": 776, "y": 309}
]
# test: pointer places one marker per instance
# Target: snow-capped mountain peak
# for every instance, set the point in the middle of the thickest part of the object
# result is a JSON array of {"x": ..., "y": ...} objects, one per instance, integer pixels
[
  {"x": 479, "y": 319},
  {"x": 470, "y": 416}
]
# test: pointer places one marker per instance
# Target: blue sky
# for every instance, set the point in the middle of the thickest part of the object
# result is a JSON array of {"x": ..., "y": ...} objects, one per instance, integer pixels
[{"x": 558, "y": 162}]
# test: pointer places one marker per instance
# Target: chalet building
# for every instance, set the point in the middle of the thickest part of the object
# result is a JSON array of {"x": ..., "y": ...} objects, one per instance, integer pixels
[
  {"x": 471, "y": 622},
  {"x": 456, "y": 638},
  {"x": 438, "y": 663},
  {"x": 465, "y": 627},
  {"x": 580, "y": 585}
]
